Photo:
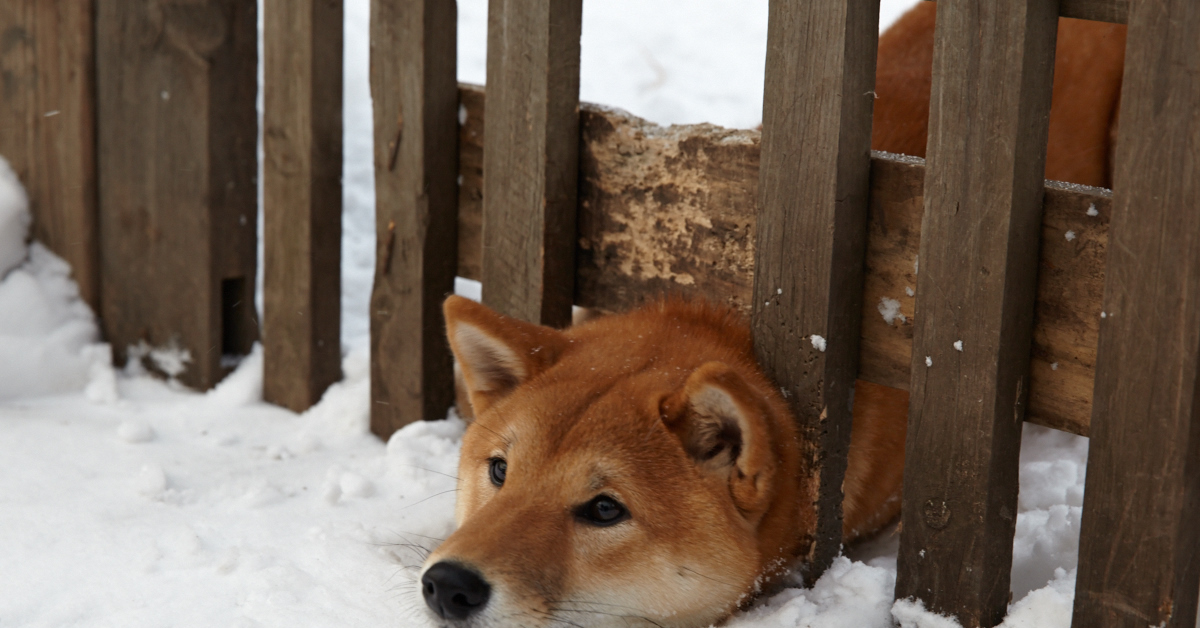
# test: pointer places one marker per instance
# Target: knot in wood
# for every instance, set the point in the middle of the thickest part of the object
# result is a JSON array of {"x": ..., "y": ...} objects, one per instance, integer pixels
[{"x": 936, "y": 514}]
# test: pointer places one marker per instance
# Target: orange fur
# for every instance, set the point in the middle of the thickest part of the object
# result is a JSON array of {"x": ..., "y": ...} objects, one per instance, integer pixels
[{"x": 1088, "y": 65}]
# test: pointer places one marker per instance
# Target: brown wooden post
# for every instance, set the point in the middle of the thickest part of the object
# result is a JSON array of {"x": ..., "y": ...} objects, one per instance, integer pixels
[
  {"x": 811, "y": 231},
  {"x": 47, "y": 125},
  {"x": 416, "y": 107},
  {"x": 530, "y": 158},
  {"x": 302, "y": 200},
  {"x": 976, "y": 283},
  {"x": 176, "y": 155},
  {"x": 1139, "y": 546}
]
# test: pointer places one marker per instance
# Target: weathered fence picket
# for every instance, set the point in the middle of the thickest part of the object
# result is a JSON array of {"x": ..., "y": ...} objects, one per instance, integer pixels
[
  {"x": 176, "y": 154},
  {"x": 530, "y": 158},
  {"x": 976, "y": 285},
  {"x": 416, "y": 107},
  {"x": 302, "y": 200},
  {"x": 47, "y": 125},
  {"x": 811, "y": 230},
  {"x": 1139, "y": 547}
]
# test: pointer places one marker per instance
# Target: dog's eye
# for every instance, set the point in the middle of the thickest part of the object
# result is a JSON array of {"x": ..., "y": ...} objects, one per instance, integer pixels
[
  {"x": 497, "y": 470},
  {"x": 603, "y": 511}
]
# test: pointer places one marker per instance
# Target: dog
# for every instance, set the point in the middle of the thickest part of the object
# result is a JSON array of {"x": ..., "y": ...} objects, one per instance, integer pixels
[
  {"x": 637, "y": 467},
  {"x": 656, "y": 476}
]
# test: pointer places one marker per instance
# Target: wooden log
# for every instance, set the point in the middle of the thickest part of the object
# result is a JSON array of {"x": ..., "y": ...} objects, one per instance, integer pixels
[
  {"x": 811, "y": 233},
  {"x": 302, "y": 200},
  {"x": 670, "y": 210},
  {"x": 976, "y": 290},
  {"x": 531, "y": 154},
  {"x": 415, "y": 106},
  {"x": 176, "y": 156},
  {"x": 47, "y": 125},
  {"x": 1139, "y": 546}
]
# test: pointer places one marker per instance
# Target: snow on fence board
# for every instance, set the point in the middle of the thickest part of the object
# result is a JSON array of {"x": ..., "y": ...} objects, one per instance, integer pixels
[{"x": 672, "y": 210}]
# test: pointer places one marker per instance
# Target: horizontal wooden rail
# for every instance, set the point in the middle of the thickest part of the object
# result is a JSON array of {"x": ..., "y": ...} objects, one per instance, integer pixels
[
  {"x": 672, "y": 209},
  {"x": 1116, "y": 11}
]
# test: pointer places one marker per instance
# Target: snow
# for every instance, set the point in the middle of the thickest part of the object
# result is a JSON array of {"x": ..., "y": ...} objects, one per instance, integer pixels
[
  {"x": 818, "y": 342},
  {"x": 132, "y": 501},
  {"x": 1069, "y": 235},
  {"x": 890, "y": 309},
  {"x": 958, "y": 345},
  {"x": 1092, "y": 211}
]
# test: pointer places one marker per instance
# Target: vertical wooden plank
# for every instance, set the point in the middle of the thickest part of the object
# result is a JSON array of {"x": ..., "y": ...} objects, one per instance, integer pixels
[
  {"x": 992, "y": 72},
  {"x": 416, "y": 104},
  {"x": 302, "y": 200},
  {"x": 811, "y": 231},
  {"x": 530, "y": 158},
  {"x": 47, "y": 132},
  {"x": 176, "y": 165},
  {"x": 1139, "y": 546}
]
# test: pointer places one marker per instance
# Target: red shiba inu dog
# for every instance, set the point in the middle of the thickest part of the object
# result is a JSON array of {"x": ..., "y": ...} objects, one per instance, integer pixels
[
  {"x": 640, "y": 469},
  {"x": 635, "y": 467}
]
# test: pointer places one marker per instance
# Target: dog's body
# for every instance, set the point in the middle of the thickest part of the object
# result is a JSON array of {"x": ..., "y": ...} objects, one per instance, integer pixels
[{"x": 640, "y": 468}]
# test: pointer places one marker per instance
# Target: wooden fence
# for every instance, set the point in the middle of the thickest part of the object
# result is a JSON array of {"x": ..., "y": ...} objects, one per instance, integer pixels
[{"x": 132, "y": 124}]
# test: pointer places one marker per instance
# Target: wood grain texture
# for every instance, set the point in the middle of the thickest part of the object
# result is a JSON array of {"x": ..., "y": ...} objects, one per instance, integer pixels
[
  {"x": 531, "y": 156},
  {"x": 1116, "y": 11},
  {"x": 415, "y": 108},
  {"x": 670, "y": 210},
  {"x": 302, "y": 200},
  {"x": 1139, "y": 546},
  {"x": 47, "y": 125},
  {"x": 976, "y": 290},
  {"x": 811, "y": 232},
  {"x": 470, "y": 180},
  {"x": 176, "y": 155}
]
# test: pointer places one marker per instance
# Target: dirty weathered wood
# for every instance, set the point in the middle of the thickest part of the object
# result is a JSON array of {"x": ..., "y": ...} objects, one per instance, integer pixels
[
  {"x": 1070, "y": 285},
  {"x": 470, "y": 180},
  {"x": 670, "y": 210},
  {"x": 47, "y": 125},
  {"x": 811, "y": 233},
  {"x": 976, "y": 290},
  {"x": 415, "y": 108},
  {"x": 302, "y": 200},
  {"x": 1116, "y": 11},
  {"x": 176, "y": 165},
  {"x": 1139, "y": 546},
  {"x": 531, "y": 158}
]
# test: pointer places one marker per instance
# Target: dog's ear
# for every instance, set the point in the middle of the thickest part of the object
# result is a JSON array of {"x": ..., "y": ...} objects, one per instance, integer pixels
[
  {"x": 722, "y": 424},
  {"x": 496, "y": 353}
]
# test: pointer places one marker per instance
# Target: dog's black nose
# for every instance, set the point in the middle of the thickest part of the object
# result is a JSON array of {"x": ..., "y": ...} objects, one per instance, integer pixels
[{"x": 453, "y": 591}]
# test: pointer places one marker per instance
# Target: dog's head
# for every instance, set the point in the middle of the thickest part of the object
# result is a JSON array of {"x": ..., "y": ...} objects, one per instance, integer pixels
[{"x": 637, "y": 470}]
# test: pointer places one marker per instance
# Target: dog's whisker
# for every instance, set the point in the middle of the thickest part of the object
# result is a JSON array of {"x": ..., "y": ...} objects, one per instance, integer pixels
[
  {"x": 596, "y": 612},
  {"x": 453, "y": 477},
  {"x": 453, "y": 490},
  {"x": 717, "y": 580}
]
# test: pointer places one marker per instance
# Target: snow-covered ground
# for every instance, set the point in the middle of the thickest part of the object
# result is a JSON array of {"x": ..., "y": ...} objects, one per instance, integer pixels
[{"x": 129, "y": 501}]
